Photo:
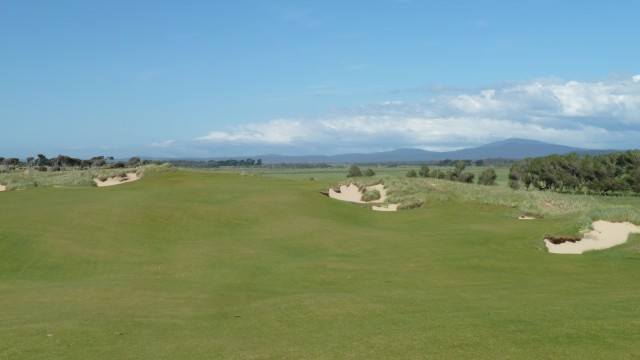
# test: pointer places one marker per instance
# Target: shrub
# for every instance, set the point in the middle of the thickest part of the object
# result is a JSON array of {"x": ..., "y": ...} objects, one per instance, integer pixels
[
  {"x": 466, "y": 177},
  {"x": 134, "y": 161},
  {"x": 424, "y": 171},
  {"x": 438, "y": 174},
  {"x": 369, "y": 172},
  {"x": 412, "y": 174},
  {"x": 370, "y": 195},
  {"x": 354, "y": 171},
  {"x": 487, "y": 177}
]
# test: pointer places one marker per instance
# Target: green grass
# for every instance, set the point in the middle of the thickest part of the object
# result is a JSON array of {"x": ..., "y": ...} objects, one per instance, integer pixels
[
  {"x": 187, "y": 264},
  {"x": 25, "y": 178}
]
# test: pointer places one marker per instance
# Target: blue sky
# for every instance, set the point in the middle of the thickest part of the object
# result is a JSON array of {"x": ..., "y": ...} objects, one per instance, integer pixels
[{"x": 223, "y": 78}]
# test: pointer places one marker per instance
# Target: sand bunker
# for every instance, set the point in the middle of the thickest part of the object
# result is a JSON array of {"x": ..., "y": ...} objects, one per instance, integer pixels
[
  {"x": 352, "y": 193},
  {"x": 390, "y": 207},
  {"x": 603, "y": 236},
  {"x": 117, "y": 180}
]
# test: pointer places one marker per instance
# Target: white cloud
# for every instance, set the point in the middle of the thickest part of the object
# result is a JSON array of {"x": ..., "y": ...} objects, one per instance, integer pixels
[
  {"x": 279, "y": 131},
  {"x": 164, "y": 144},
  {"x": 602, "y": 114}
]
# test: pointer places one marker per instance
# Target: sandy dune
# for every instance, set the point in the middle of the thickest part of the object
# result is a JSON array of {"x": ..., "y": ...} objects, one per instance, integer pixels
[
  {"x": 117, "y": 180},
  {"x": 352, "y": 193},
  {"x": 603, "y": 236}
]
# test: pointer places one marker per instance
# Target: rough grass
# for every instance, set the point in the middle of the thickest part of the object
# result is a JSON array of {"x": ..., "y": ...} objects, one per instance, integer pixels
[
  {"x": 370, "y": 194},
  {"x": 24, "y": 179},
  {"x": 197, "y": 265},
  {"x": 414, "y": 192}
]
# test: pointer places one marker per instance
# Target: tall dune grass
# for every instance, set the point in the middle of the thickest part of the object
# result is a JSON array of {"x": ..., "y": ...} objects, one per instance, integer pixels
[
  {"x": 31, "y": 178},
  {"x": 414, "y": 192}
]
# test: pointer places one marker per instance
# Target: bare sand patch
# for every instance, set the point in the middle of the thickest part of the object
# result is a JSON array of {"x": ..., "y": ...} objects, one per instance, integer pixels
[
  {"x": 117, "y": 180},
  {"x": 526, "y": 217},
  {"x": 352, "y": 193},
  {"x": 390, "y": 207},
  {"x": 604, "y": 235},
  {"x": 2, "y": 187}
]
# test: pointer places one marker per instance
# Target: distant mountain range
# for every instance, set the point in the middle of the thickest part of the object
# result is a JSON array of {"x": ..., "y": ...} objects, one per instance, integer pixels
[{"x": 506, "y": 149}]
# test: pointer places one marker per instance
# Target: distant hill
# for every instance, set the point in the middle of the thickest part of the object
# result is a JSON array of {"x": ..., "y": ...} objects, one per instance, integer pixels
[{"x": 513, "y": 148}]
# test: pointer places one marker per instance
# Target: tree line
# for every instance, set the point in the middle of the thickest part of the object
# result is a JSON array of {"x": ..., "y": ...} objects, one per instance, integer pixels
[
  {"x": 616, "y": 172},
  {"x": 211, "y": 164},
  {"x": 64, "y": 162},
  {"x": 456, "y": 173}
]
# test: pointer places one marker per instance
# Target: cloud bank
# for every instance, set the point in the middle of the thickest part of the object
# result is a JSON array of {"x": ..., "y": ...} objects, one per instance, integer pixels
[{"x": 604, "y": 114}]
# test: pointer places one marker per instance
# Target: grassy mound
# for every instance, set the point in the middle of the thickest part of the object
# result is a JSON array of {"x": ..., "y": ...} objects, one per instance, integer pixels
[
  {"x": 416, "y": 192},
  {"x": 24, "y": 179}
]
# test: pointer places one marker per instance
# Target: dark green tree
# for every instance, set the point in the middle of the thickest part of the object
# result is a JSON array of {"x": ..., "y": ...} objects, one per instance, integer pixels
[
  {"x": 354, "y": 171},
  {"x": 42, "y": 160},
  {"x": 466, "y": 177},
  {"x": 134, "y": 161},
  {"x": 98, "y": 161},
  {"x": 10, "y": 164},
  {"x": 30, "y": 161},
  {"x": 457, "y": 170},
  {"x": 438, "y": 174},
  {"x": 487, "y": 177},
  {"x": 424, "y": 171}
]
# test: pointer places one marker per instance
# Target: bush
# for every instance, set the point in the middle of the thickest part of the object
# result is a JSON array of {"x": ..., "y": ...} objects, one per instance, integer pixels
[
  {"x": 134, "y": 161},
  {"x": 354, "y": 171},
  {"x": 369, "y": 172},
  {"x": 424, "y": 171},
  {"x": 438, "y": 174},
  {"x": 370, "y": 195},
  {"x": 466, "y": 177},
  {"x": 487, "y": 177},
  {"x": 412, "y": 174}
]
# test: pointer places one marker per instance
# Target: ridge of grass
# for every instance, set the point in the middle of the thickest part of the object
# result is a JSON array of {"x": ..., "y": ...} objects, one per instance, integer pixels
[
  {"x": 416, "y": 192},
  {"x": 25, "y": 178}
]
